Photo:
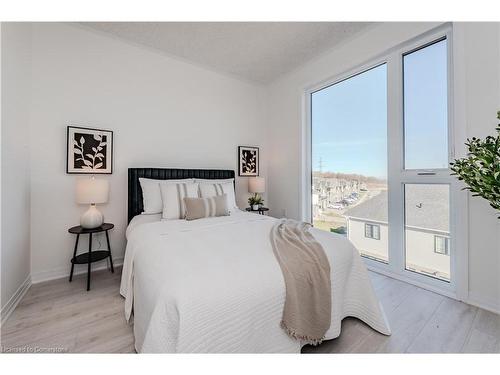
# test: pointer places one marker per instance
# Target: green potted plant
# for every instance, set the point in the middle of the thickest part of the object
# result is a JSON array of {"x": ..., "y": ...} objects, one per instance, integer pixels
[
  {"x": 255, "y": 201},
  {"x": 480, "y": 170}
]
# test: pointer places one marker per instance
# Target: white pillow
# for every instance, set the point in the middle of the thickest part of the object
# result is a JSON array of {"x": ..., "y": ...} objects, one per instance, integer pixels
[
  {"x": 211, "y": 188},
  {"x": 151, "y": 194},
  {"x": 173, "y": 198}
]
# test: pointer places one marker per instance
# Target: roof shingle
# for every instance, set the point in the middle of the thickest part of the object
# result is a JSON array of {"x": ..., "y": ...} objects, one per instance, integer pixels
[{"x": 426, "y": 206}]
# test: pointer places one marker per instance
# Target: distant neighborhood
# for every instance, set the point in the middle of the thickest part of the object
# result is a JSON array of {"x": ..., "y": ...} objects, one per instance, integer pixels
[
  {"x": 333, "y": 193},
  {"x": 357, "y": 207}
]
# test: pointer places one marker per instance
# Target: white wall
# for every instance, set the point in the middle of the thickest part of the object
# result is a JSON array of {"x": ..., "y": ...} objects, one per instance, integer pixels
[
  {"x": 480, "y": 45},
  {"x": 164, "y": 113},
  {"x": 369, "y": 246},
  {"x": 419, "y": 246},
  {"x": 420, "y": 253},
  {"x": 16, "y": 69}
]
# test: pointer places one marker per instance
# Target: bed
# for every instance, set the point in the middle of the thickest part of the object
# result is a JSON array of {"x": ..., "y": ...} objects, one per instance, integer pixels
[{"x": 213, "y": 285}]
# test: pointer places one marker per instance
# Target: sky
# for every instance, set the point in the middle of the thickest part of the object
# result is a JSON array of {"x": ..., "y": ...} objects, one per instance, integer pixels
[
  {"x": 349, "y": 119},
  {"x": 425, "y": 108}
]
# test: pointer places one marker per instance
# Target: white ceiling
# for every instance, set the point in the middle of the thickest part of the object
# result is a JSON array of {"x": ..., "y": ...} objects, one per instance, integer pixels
[{"x": 255, "y": 51}]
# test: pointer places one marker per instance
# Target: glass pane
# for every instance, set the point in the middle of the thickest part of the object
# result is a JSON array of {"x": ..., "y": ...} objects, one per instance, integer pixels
[
  {"x": 427, "y": 229},
  {"x": 368, "y": 230},
  {"x": 426, "y": 107},
  {"x": 349, "y": 156}
]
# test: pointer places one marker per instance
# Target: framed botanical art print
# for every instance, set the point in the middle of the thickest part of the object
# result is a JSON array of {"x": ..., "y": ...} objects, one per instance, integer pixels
[
  {"x": 248, "y": 161},
  {"x": 89, "y": 151}
]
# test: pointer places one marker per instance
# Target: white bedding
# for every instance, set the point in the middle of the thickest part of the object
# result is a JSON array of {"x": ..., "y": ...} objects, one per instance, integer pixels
[
  {"x": 214, "y": 285},
  {"x": 141, "y": 219}
]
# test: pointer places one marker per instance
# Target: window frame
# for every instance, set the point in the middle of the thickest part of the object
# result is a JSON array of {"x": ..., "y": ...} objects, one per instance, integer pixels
[
  {"x": 422, "y": 176},
  {"x": 450, "y": 150},
  {"x": 446, "y": 245},
  {"x": 397, "y": 175},
  {"x": 372, "y": 226},
  {"x": 305, "y": 204}
]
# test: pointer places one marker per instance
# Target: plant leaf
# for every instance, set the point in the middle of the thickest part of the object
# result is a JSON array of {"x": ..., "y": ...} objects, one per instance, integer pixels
[
  {"x": 77, "y": 151},
  {"x": 480, "y": 170}
]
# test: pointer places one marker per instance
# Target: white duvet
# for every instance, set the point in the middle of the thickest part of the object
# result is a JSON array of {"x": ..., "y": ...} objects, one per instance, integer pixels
[{"x": 214, "y": 285}]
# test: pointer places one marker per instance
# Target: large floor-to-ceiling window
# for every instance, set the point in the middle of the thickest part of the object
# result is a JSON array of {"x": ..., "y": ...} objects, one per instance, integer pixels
[
  {"x": 349, "y": 156},
  {"x": 380, "y": 147}
]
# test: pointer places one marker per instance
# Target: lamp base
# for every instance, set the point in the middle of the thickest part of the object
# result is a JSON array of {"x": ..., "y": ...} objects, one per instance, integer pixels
[{"x": 92, "y": 218}]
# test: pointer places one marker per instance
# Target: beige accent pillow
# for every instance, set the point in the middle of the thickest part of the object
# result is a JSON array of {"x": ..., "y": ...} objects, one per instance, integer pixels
[
  {"x": 212, "y": 189},
  {"x": 197, "y": 208}
]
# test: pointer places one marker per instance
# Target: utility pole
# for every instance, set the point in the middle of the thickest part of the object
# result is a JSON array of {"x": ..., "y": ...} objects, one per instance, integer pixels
[{"x": 320, "y": 165}]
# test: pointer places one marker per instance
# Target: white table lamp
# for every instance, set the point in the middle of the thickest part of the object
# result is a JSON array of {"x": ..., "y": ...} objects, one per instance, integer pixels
[
  {"x": 91, "y": 191},
  {"x": 256, "y": 185}
]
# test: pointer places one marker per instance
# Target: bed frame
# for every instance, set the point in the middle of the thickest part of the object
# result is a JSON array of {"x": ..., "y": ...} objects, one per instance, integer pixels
[{"x": 135, "y": 206}]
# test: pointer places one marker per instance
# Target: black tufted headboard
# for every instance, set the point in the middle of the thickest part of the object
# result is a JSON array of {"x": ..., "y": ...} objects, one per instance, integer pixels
[{"x": 135, "y": 206}]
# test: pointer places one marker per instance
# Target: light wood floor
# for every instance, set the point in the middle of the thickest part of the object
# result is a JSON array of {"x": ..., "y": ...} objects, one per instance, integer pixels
[{"x": 57, "y": 316}]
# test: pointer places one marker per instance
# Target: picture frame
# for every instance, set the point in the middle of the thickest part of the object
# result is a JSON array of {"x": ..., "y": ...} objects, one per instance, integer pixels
[
  {"x": 248, "y": 161},
  {"x": 89, "y": 150}
]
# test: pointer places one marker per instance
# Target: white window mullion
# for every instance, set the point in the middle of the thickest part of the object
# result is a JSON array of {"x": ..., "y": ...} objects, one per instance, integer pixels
[
  {"x": 395, "y": 163},
  {"x": 459, "y": 222}
]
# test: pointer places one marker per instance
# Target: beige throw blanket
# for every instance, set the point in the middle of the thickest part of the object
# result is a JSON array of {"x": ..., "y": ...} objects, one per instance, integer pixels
[{"x": 306, "y": 270}]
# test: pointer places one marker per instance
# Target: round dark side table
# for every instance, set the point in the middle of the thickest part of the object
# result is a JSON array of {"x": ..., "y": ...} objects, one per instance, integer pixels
[
  {"x": 91, "y": 256},
  {"x": 261, "y": 210}
]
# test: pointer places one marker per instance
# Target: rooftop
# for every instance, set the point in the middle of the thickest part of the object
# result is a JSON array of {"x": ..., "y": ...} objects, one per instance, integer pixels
[{"x": 427, "y": 206}]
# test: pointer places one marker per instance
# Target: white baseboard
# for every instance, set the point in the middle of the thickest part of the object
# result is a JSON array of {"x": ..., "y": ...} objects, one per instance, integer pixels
[
  {"x": 60, "y": 273},
  {"x": 490, "y": 305},
  {"x": 14, "y": 300}
]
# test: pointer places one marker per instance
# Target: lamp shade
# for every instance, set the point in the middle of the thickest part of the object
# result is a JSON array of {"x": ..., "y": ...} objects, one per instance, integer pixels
[
  {"x": 257, "y": 185},
  {"x": 91, "y": 190}
]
